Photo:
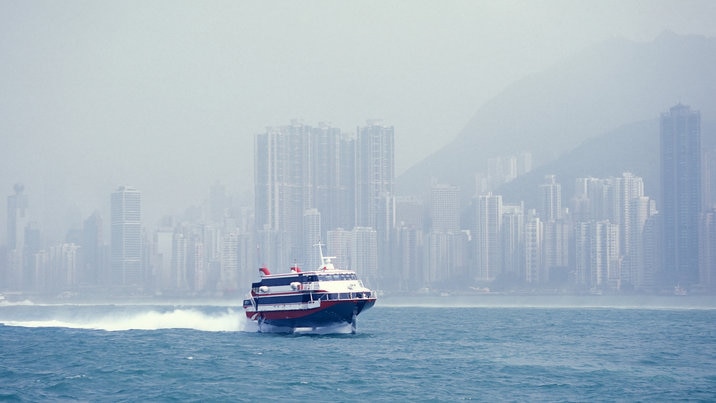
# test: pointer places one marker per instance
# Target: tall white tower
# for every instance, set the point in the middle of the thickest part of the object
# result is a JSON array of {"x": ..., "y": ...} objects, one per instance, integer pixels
[
  {"x": 551, "y": 199},
  {"x": 487, "y": 237},
  {"x": 126, "y": 234}
]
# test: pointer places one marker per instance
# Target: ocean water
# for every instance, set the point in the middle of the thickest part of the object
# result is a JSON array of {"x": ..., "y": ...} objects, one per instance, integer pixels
[{"x": 405, "y": 350}]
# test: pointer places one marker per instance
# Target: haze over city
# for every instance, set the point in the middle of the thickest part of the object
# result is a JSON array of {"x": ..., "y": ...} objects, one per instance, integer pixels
[
  {"x": 169, "y": 97},
  {"x": 514, "y": 199}
]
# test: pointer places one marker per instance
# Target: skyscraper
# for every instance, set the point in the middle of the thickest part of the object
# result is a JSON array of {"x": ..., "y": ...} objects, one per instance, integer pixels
[
  {"x": 680, "y": 204},
  {"x": 17, "y": 220},
  {"x": 311, "y": 237},
  {"x": 229, "y": 278},
  {"x": 582, "y": 254},
  {"x": 555, "y": 254},
  {"x": 298, "y": 168},
  {"x": 16, "y": 216},
  {"x": 364, "y": 259},
  {"x": 708, "y": 251},
  {"x": 445, "y": 208},
  {"x": 332, "y": 177},
  {"x": 627, "y": 188},
  {"x": 534, "y": 228},
  {"x": 512, "y": 235},
  {"x": 551, "y": 199},
  {"x": 635, "y": 271},
  {"x": 375, "y": 177},
  {"x": 374, "y": 193},
  {"x": 93, "y": 268},
  {"x": 338, "y": 245},
  {"x": 487, "y": 237},
  {"x": 126, "y": 233},
  {"x": 279, "y": 166}
]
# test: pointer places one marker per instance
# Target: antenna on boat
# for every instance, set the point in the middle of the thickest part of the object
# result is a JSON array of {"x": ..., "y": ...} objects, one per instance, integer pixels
[
  {"x": 320, "y": 249},
  {"x": 325, "y": 260}
]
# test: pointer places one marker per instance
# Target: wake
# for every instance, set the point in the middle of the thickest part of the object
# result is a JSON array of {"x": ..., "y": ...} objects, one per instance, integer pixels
[{"x": 150, "y": 319}]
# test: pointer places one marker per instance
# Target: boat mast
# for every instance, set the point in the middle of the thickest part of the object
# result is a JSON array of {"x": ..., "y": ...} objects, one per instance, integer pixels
[{"x": 325, "y": 260}]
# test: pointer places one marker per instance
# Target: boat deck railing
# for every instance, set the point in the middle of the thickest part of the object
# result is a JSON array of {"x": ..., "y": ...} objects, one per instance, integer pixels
[
  {"x": 337, "y": 296},
  {"x": 309, "y": 298}
]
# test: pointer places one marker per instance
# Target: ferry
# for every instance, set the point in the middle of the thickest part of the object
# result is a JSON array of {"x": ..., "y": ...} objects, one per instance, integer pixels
[{"x": 308, "y": 300}]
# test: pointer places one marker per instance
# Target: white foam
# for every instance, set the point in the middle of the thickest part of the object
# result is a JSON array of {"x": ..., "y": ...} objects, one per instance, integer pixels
[
  {"x": 25, "y": 302},
  {"x": 151, "y": 319}
]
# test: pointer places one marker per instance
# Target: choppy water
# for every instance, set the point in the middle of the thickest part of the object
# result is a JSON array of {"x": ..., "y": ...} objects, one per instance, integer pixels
[{"x": 401, "y": 352}]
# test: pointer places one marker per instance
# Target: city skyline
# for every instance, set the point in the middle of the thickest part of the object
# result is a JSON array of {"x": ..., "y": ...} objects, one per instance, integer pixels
[
  {"x": 611, "y": 223},
  {"x": 525, "y": 191},
  {"x": 91, "y": 102}
]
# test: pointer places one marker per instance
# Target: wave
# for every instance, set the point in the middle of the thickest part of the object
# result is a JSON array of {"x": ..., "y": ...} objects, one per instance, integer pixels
[
  {"x": 226, "y": 320},
  {"x": 24, "y": 302}
]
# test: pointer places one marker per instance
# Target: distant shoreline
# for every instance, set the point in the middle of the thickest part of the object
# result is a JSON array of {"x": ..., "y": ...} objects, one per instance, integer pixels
[
  {"x": 485, "y": 300},
  {"x": 553, "y": 301}
]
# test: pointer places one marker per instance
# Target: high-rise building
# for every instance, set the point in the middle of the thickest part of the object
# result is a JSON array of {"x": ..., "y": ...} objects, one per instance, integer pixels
[
  {"x": 17, "y": 220},
  {"x": 410, "y": 272},
  {"x": 332, "y": 177},
  {"x": 35, "y": 258},
  {"x": 555, "y": 236},
  {"x": 92, "y": 251},
  {"x": 582, "y": 254},
  {"x": 709, "y": 180},
  {"x": 596, "y": 257},
  {"x": 680, "y": 203},
  {"x": 409, "y": 212},
  {"x": 436, "y": 257},
  {"x": 707, "y": 275},
  {"x": 374, "y": 188},
  {"x": 652, "y": 252},
  {"x": 597, "y": 196},
  {"x": 196, "y": 264},
  {"x": 579, "y": 204},
  {"x": 635, "y": 271},
  {"x": 338, "y": 245},
  {"x": 63, "y": 265},
  {"x": 533, "y": 248},
  {"x": 524, "y": 163},
  {"x": 126, "y": 237},
  {"x": 219, "y": 203},
  {"x": 555, "y": 243},
  {"x": 364, "y": 258},
  {"x": 604, "y": 256},
  {"x": 375, "y": 177},
  {"x": 311, "y": 237},
  {"x": 298, "y": 168},
  {"x": 512, "y": 233},
  {"x": 487, "y": 237},
  {"x": 229, "y": 279},
  {"x": 627, "y": 188},
  {"x": 279, "y": 168},
  {"x": 16, "y": 217},
  {"x": 178, "y": 264},
  {"x": 163, "y": 256},
  {"x": 510, "y": 168},
  {"x": 445, "y": 209},
  {"x": 551, "y": 199}
]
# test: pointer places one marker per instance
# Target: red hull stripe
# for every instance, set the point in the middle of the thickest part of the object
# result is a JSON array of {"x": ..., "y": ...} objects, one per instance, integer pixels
[{"x": 299, "y": 313}]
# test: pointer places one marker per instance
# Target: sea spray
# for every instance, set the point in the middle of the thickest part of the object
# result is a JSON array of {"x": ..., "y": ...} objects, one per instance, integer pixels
[{"x": 118, "y": 318}]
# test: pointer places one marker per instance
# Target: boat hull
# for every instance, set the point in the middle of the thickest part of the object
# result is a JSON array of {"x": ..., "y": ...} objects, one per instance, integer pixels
[{"x": 328, "y": 313}]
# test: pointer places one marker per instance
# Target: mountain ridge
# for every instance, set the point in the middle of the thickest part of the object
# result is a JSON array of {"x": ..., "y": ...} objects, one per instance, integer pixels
[{"x": 606, "y": 86}]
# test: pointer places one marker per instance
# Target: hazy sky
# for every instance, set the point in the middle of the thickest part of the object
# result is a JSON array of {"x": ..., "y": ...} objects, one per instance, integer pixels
[{"x": 168, "y": 95}]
